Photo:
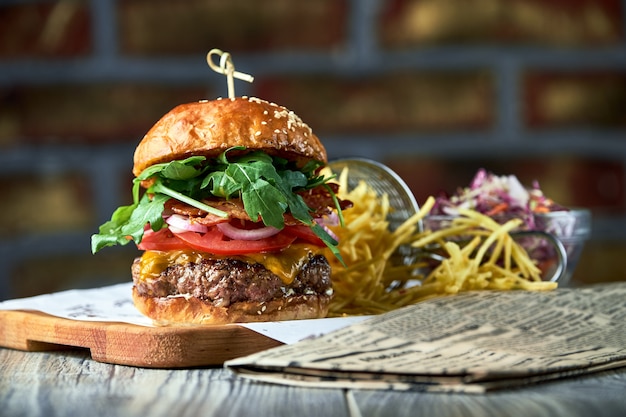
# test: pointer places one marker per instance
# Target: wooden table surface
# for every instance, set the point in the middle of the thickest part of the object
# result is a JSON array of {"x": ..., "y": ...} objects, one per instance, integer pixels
[{"x": 70, "y": 383}]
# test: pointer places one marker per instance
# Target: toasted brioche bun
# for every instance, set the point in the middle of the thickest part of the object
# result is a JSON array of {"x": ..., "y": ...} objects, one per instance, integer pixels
[
  {"x": 193, "y": 311},
  {"x": 208, "y": 128}
]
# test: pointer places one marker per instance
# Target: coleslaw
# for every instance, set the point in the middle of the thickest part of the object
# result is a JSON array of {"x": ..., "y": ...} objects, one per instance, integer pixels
[{"x": 499, "y": 197}]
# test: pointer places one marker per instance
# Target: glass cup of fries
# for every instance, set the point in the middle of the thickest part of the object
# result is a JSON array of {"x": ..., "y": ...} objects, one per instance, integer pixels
[{"x": 572, "y": 228}]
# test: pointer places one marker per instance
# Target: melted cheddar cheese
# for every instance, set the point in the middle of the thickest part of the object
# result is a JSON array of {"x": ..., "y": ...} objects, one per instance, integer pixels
[{"x": 284, "y": 264}]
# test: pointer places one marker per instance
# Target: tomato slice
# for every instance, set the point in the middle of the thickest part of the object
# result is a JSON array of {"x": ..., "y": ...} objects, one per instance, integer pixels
[
  {"x": 305, "y": 233},
  {"x": 163, "y": 239},
  {"x": 215, "y": 242}
]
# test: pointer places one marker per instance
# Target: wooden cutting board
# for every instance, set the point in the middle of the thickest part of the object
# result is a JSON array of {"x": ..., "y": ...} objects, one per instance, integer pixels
[{"x": 130, "y": 344}]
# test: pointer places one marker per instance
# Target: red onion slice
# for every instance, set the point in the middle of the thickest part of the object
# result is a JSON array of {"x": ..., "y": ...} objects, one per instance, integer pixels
[
  {"x": 174, "y": 229},
  {"x": 244, "y": 234},
  {"x": 327, "y": 229},
  {"x": 180, "y": 223},
  {"x": 331, "y": 219}
]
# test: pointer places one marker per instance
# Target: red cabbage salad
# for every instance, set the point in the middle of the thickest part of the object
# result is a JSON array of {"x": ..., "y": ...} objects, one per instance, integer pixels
[{"x": 499, "y": 197}]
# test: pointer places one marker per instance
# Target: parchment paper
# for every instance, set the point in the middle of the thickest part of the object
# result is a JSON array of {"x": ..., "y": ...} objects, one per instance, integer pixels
[{"x": 114, "y": 304}]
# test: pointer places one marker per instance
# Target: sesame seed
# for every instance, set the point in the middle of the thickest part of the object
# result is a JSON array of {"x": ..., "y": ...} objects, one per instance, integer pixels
[
  {"x": 257, "y": 133},
  {"x": 263, "y": 122}
]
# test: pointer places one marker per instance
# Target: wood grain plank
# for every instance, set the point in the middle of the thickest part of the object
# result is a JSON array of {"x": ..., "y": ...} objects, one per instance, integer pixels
[
  {"x": 597, "y": 395},
  {"x": 72, "y": 385},
  {"x": 128, "y": 344}
]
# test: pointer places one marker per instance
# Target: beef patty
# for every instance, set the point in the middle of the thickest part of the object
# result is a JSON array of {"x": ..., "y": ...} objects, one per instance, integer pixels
[{"x": 224, "y": 281}]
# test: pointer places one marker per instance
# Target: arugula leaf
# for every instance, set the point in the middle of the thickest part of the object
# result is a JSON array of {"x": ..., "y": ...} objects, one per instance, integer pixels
[
  {"x": 180, "y": 169},
  {"x": 246, "y": 174},
  {"x": 110, "y": 233},
  {"x": 256, "y": 156},
  {"x": 149, "y": 211},
  {"x": 261, "y": 199},
  {"x": 129, "y": 221},
  {"x": 295, "y": 179},
  {"x": 183, "y": 170},
  {"x": 223, "y": 185},
  {"x": 255, "y": 178}
]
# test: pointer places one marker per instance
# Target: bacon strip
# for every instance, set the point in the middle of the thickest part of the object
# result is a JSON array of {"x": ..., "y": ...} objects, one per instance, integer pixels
[{"x": 318, "y": 199}]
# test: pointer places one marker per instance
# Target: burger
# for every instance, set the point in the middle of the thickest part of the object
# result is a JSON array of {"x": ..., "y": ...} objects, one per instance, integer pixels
[{"x": 230, "y": 208}]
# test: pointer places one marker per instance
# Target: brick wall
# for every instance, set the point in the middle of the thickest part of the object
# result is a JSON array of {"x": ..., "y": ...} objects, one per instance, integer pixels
[{"x": 434, "y": 88}]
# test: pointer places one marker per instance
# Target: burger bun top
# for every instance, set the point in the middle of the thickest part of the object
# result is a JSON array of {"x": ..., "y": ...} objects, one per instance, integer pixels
[{"x": 208, "y": 128}]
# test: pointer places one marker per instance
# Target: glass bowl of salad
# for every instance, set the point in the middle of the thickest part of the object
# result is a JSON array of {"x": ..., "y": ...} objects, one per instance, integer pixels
[
  {"x": 504, "y": 198},
  {"x": 573, "y": 228}
]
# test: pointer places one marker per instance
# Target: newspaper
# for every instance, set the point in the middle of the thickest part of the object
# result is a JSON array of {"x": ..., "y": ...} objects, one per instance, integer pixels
[{"x": 472, "y": 342}]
